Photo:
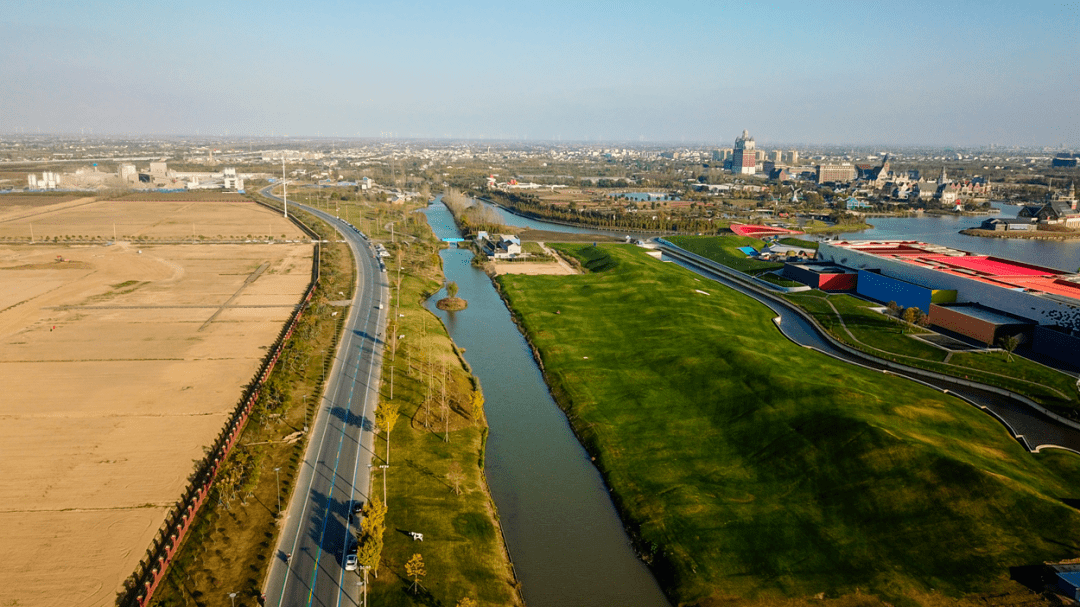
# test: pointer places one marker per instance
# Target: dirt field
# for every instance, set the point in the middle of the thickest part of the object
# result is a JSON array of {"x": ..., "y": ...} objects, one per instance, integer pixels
[
  {"x": 113, "y": 381},
  {"x": 533, "y": 268},
  {"x": 128, "y": 219}
]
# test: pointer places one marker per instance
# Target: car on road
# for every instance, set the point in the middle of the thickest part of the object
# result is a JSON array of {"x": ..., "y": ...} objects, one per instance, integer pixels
[{"x": 351, "y": 563}]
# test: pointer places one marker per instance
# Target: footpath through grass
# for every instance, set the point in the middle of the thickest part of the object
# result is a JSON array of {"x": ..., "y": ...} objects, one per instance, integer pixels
[
  {"x": 752, "y": 468},
  {"x": 888, "y": 338},
  {"x": 229, "y": 546}
]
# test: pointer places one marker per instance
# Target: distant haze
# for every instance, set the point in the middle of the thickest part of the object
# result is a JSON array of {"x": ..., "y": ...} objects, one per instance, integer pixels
[{"x": 917, "y": 73}]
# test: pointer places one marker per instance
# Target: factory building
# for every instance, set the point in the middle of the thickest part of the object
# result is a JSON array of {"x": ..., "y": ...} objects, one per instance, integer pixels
[
  {"x": 1002, "y": 296},
  {"x": 824, "y": 276}
]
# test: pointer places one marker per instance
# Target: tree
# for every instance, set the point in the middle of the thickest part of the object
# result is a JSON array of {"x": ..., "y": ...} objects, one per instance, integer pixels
[
  {"x": 456, "y": 476},
  {"x": 466, "y": 602},
  {"x": 415, "y": 569},
  {"x": 478, "y": 405},
  {"x": 911, "y": 315},
  {"x": 923, "y": 321},
  {"x": 893, "y": 308},
  {"x": 367, "y": 557},
  {"x": 374, "y": 516},
  {"x": 385, "y": 417},
  {"x": 1009, "y": 343},
  {"x": 451, "y": 289}
]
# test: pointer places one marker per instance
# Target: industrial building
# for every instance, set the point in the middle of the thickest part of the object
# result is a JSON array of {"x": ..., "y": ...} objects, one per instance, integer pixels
[
  {"x": 824, "y": 276},
  {"x": 980, "y": 323},
  {"x": 1011, "y": 296}
]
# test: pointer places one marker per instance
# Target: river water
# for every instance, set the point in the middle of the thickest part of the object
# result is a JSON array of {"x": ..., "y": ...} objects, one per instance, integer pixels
[
  {"x": 945, "y": 230},
  {"x": 562, "y": 530},
  {"x": 942, "y": 230}
]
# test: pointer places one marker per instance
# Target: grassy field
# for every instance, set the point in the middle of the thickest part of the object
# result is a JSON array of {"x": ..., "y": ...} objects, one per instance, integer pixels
[
  {"x": 230, "y": 544},
  {"x": 462, "y": 550},
  {"x": 754, "y": 469},
  {"x": 724, "y": 249},
  {"x": 885, "y": 337},
  {"x": 799, "y": 242}
]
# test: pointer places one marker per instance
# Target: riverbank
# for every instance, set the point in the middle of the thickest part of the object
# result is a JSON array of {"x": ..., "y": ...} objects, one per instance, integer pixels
[
  {"x": 750, "y": 464},
  {"x": 435, "y": 483},
  {"x": 568, "y": 543},
  {"x": 1023, "y": 234}
]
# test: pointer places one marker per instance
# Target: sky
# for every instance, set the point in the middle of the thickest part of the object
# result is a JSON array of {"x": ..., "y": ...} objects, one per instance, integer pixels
[{"x": 938, "y": 73}]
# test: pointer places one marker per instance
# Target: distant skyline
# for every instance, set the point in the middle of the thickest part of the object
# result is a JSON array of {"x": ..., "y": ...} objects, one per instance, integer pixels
[{"x": 939, "y": 74}]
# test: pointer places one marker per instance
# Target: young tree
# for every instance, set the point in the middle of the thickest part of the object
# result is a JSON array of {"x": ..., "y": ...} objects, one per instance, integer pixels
[
  {"x": 415, "y": 569},
  {"x": 451, "y": 289},
  {"x": 367, "y": 557},
  {"x": 1009, "y": 343},
  {"x": 385, "y": 417},
  {"x": 923, "y": 321},
  {"x": 910, "y": 316},
  {"x": 456, "y": 476},
  {"x": 477, "y": 405},
  {"x": 893, "y": 308}
]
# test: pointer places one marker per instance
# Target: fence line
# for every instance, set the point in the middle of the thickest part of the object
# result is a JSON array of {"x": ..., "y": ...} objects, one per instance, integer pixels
[{"x": 148, "y": 575}]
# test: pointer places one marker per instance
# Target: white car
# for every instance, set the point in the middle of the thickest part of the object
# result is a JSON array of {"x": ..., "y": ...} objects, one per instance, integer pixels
[{"x": 350, "y": 562}]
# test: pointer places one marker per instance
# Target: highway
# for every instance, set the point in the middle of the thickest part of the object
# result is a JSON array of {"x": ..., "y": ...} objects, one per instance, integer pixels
[{"x": 336, "y": 467}]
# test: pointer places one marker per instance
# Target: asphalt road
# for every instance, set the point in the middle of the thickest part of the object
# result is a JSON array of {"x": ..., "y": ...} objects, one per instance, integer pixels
[{"x": 335, "y": 471}]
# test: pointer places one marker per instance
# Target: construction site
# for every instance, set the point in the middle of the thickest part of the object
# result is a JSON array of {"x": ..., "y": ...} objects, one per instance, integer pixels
[{"x": 129, "y": 330}]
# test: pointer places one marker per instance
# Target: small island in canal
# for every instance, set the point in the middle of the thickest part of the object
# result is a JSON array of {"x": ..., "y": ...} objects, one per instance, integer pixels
[{"x": 451, "y": 303}]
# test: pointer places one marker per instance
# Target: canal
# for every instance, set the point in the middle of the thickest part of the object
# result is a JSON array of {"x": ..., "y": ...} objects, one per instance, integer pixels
[{"x": 562, "y": 530}]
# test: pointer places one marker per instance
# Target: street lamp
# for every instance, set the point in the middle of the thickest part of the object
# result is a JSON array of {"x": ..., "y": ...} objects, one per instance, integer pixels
[
  {"x": 384, "y": 467},
  {"x": 284, "y": 190},
  {"x": 232, "y": 597},
  {"x": 278, "y": 477}
]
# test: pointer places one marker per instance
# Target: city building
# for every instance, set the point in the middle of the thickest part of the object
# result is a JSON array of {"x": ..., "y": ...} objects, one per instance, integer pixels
[
  {"x": 744, "y": 157},
  {"x": 836, "y": 173},
  {"x": 793, "y": 157}
]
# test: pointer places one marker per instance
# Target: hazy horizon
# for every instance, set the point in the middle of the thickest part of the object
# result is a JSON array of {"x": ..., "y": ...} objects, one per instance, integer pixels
[{"x": 946, "y": 74}]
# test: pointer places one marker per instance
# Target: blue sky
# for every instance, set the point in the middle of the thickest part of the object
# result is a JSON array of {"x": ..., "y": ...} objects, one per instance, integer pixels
[{"x": 937, "y": 73}]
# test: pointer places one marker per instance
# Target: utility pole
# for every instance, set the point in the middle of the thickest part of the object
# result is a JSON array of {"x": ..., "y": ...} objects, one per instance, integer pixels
[{"x": 278, "y": 476}]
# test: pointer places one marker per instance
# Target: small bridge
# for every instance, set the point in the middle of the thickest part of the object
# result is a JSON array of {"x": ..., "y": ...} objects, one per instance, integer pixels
[{"x": 453, "y": 240}]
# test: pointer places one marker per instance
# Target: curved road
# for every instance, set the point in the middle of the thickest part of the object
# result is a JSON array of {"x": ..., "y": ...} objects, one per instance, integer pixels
[
  {"x": 1032, "y": 428},
  {"x": 335, "y": 471}
]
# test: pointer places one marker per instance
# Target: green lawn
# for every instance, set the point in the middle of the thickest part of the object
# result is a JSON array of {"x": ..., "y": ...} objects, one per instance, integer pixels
[
  {"x": 462, "y": 550},
  {"x": 779, "y": 280},
  {"x": 724, "y": 249},
  {"x": 876, "y": 334},
  {"x": 751, "y": 467}
]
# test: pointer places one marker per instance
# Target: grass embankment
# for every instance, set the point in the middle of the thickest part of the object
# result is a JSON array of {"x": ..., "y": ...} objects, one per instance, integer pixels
[
  {"x": 228, "y": 548},
  {"x": 792, "y": 241},
  {"x": 883, "y": 337},
  {"x": 888, "y": 338},
  {"x": 725, "y": 250},
  {"x": 463, "y": 551},
  {"x": 820, "y": 227},
  {"x": 752, "y": 468}
]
